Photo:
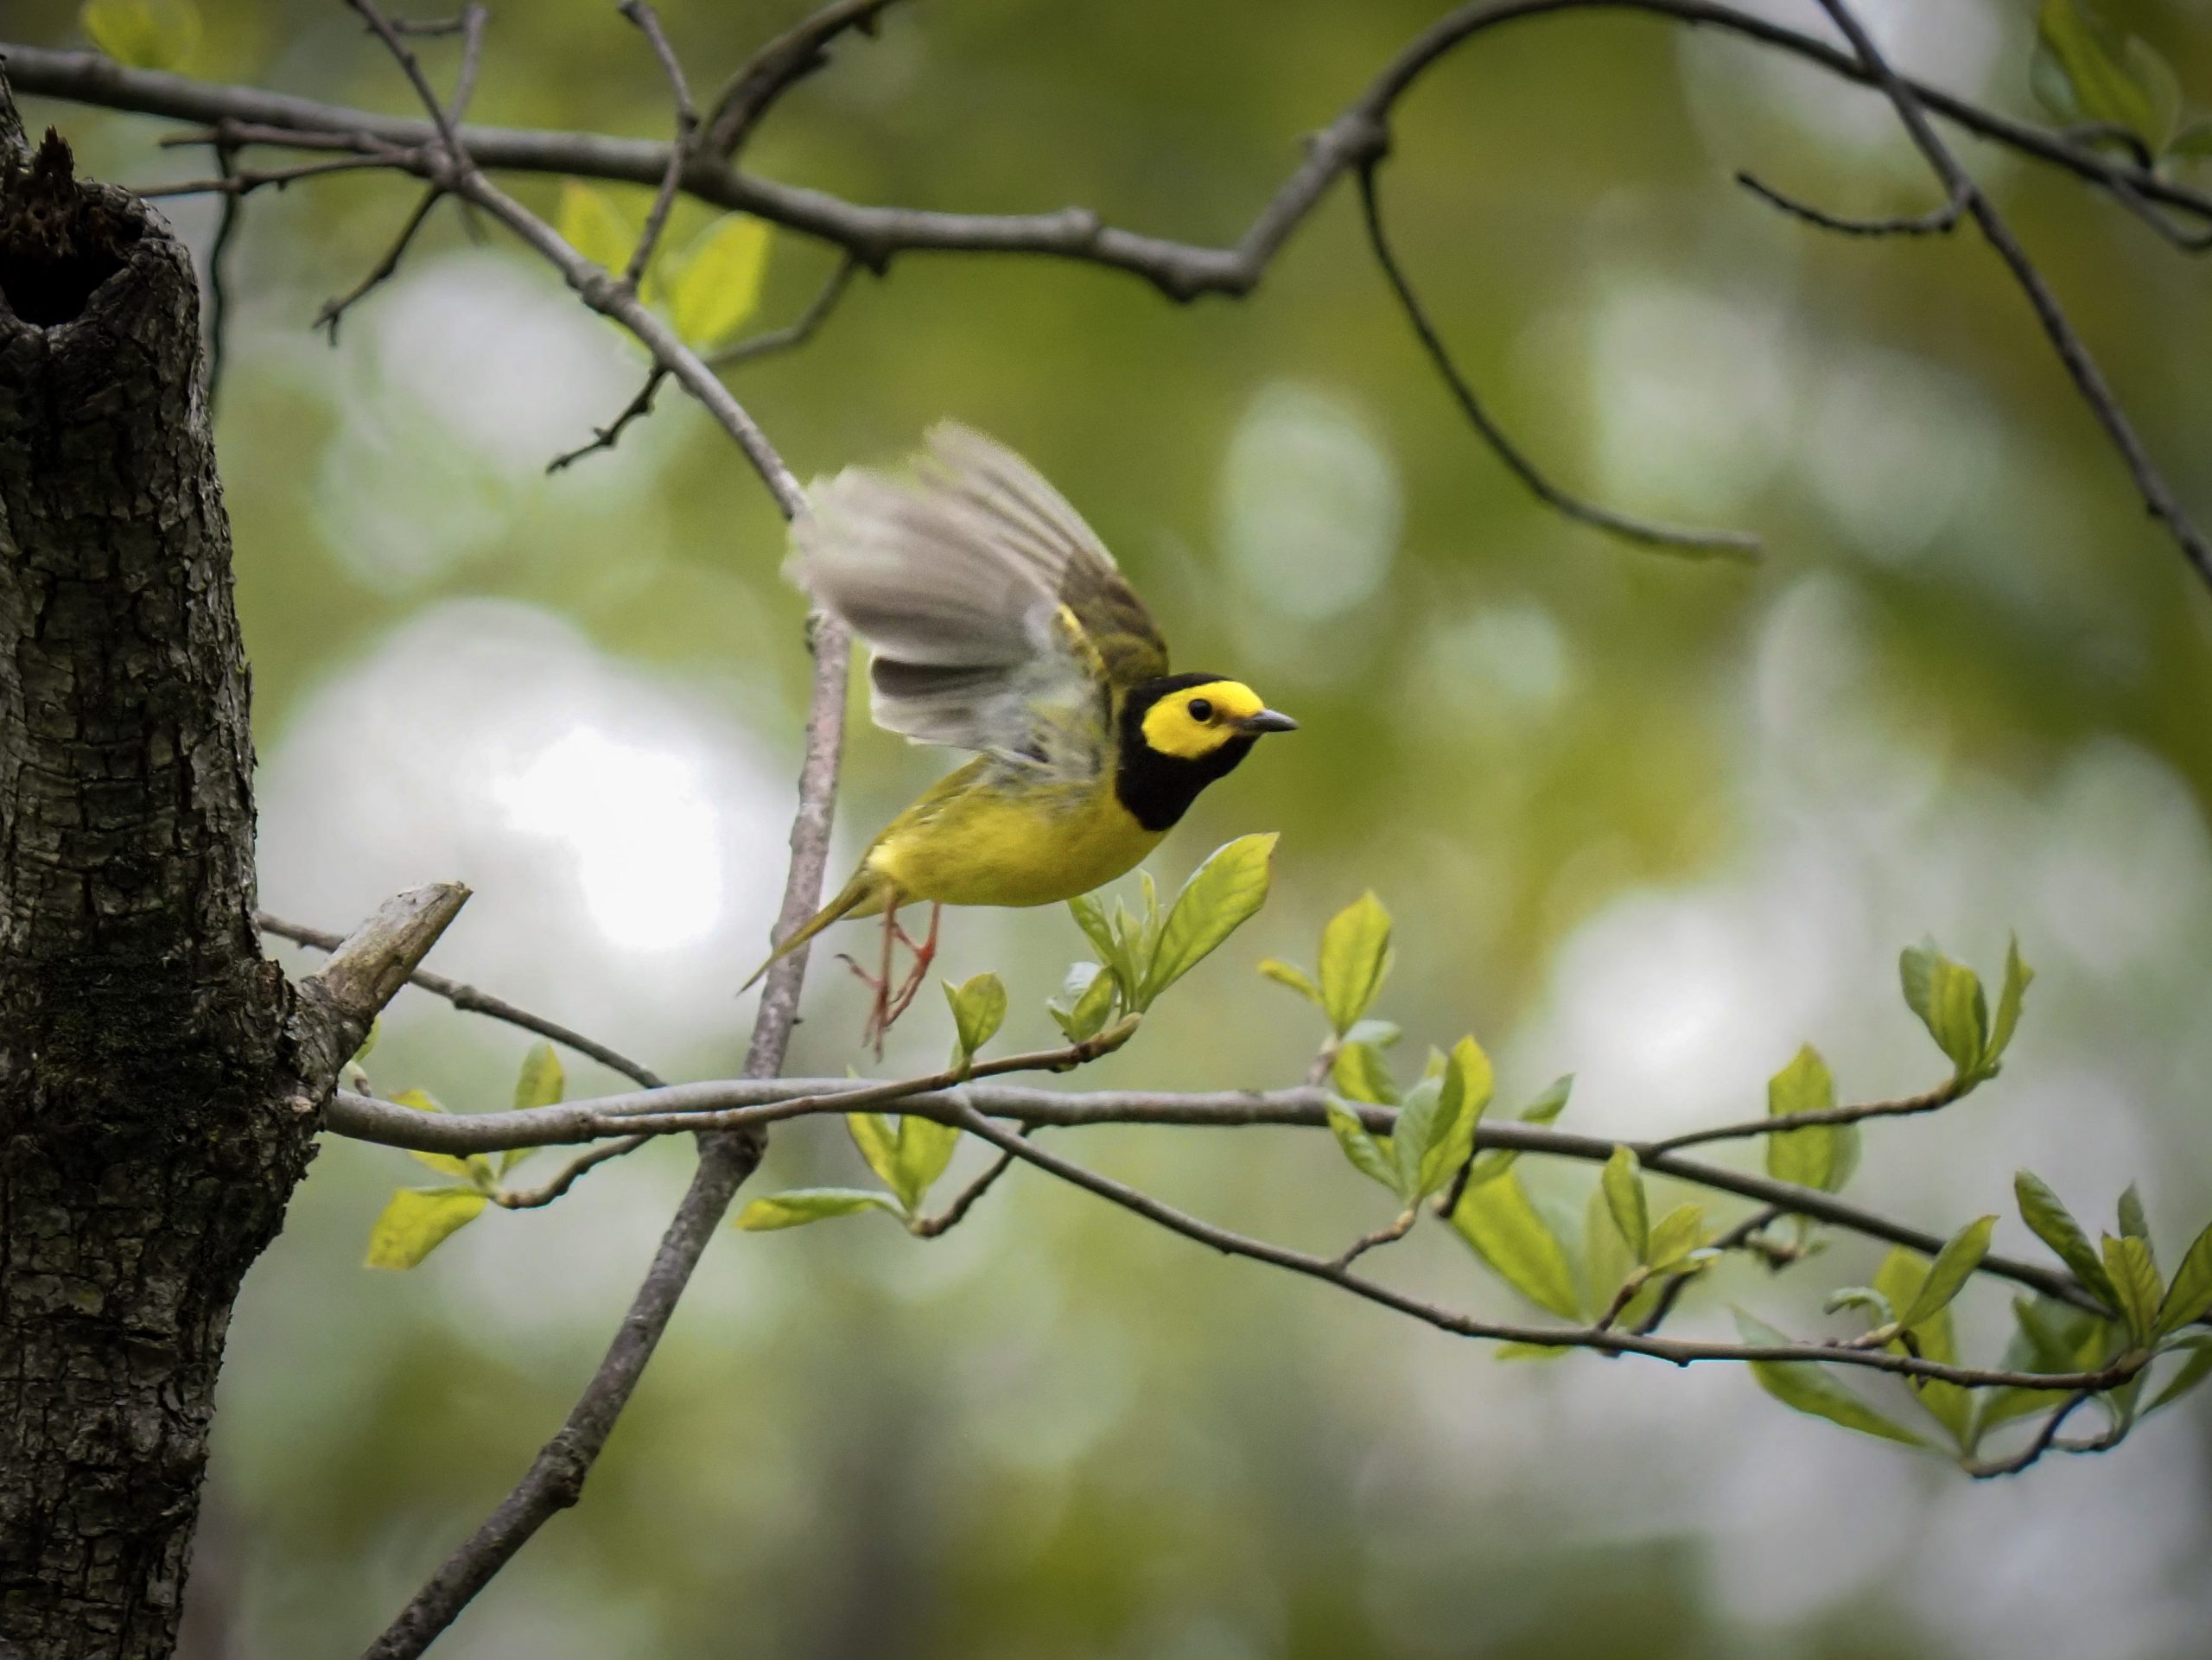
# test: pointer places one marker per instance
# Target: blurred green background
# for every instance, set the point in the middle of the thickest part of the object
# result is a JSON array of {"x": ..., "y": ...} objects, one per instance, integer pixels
[{"x": 1649, "y": 821}]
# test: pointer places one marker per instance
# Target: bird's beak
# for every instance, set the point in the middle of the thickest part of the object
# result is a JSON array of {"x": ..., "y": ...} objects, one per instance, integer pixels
[{"x": 1268, "y": 720}]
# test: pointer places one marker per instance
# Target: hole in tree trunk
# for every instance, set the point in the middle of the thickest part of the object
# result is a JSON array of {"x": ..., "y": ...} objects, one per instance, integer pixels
[{"x": 58, "y": 241}]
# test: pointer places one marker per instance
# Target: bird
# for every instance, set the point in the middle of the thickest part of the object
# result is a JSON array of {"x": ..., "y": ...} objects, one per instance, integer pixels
[{"x": 997, "y": 622}]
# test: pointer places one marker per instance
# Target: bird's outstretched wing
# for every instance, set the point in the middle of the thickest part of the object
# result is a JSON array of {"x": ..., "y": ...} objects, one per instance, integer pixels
[{"x": 998, "y": 621}]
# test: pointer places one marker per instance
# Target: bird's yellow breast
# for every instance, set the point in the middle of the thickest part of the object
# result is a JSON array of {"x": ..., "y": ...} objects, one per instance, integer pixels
[{"x": 972, "y": 842}]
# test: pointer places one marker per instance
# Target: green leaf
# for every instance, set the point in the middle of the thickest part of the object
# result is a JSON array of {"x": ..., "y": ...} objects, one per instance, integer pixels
[
  {"x": 1372, "y": 1157},
  {"x": 143, "y": 34},
  {"x": 2135, "y": 1277},
  {"x": 925, "y": 1149},
  {"x": 1286, "y": 974},
  {"x": 589, "y": 222},
  {"x": 1805, "y": 1386},
  {"x": 717, "y": 285},
  {"x": 1606, "y": 1259},
  {"x": 1532, "y": 1351},
  {"x": 804, "y": 1205},
  {"x": 1506, "y": 1231},
  {"x": 1467, "y": 1086},
  {"x": 978, "y": 1010},
  {"x": 1221, "y": 896},
  {"x": 1354, "y": 956},
  {"x": 2048, "y": 1336},
  {"x": 1947, "y": 997},
  {"x": 2089, "y": 62},
  {"x": 1382, "y": 1034},
  {"x": 473, "y": 1168},
  {"x": 2017, "y": 975},
  {"x": 1674, "y": 1236},
  {"x": 2134, "y": 1221},
  {"x": 2194, "y": 1371},
  {"x": 1090, "y": 916},
  {"x": 1085, "y": 1003},
  {"x": 2054, "y": 1225},
  {"x": 1543, "y": 1110},
  {"x": 1806, "y": 1157},
  {"x": 1415, "y": 1137},
  {"x": 1903, "y": 1276},
  {"x": 2190, "y": 1296},
  {"x": 877, "y": 1137},
  {"x": 1359, "y": 1072},
  {"x": 1623, "y": 1189},
  {"x": 2193, "y": 143},
  {"x": 1548, "y": 1105},
  {"x": 1861, "y": 1296},
  {"x": 2161, "y": 93},
  {"x": 542, "y": 1082},
  {"x": 418, "y": 1220},
  {"x": 906, "y": 1152},
  {"x": 1954, "y": 1266}
]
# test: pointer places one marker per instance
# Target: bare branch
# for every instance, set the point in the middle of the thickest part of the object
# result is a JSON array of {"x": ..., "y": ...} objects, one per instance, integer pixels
[
  {"x": 785, "y": 61},
  {"x": 928, "y": 1227},
  {"x": 1778, "y": 1123},
  {"x": 1736, "y": 1238},
  {"x": 470, "y": 1001},
  {"x": 334, "y": 310},
  {"x": 608, "y": 437},
  {"x": 679, "y": 152},
  {"x": 763, "y": 345},
  {"x": 875, "y": 234},
  {"x": 1935, "y": 221},
  {"x": 1737, "y": 544},
  {"x": 2088, "y": 380},
  {"x": 338, "y": 1002},
  {"x": 529, "y": 1198}
]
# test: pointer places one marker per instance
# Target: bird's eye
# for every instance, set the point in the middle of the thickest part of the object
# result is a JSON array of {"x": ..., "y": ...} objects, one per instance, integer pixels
[{"x": 1201, "y": 710}]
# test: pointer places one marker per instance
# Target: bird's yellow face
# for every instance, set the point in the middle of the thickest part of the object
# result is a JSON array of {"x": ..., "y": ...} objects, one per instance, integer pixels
[{"x": 1194, "y": 722}]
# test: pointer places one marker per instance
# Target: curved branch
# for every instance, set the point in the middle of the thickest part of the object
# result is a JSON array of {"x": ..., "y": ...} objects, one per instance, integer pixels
[
  {"x": 874, "y": 234},
  {"x": 1666, "y": 537}
]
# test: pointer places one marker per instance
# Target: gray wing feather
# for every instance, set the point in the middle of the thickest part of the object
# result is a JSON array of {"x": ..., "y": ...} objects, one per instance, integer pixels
[{"x": 953, "y": 574}]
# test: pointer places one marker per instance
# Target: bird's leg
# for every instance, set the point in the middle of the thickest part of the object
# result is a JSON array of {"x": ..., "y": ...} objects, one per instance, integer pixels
[
  {"x": 881, "y": 1016},
  {"x": 924, "y": 952}
]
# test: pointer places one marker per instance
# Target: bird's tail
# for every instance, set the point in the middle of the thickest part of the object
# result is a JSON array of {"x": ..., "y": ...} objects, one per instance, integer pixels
[{"x": 862, "y": 896}]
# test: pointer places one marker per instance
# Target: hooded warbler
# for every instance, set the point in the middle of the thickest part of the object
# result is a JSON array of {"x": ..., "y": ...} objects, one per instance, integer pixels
[{"x": 998, "y": 622}]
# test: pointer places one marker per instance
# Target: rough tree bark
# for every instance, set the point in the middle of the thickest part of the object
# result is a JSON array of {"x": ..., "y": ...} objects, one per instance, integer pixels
[{"x": 157, "y": 1076}]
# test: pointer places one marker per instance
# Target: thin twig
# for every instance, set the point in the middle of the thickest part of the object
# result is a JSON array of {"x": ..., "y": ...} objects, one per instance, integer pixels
[
  {"x": 1676, "y": 1350},
  {"x": 1735, "y": 1238},
  {"x": 1735, "y": 545},
  {"x": 469, "y": 1000},
  {"x": 2088, "y": 380},
  {"x": 1935, "y": 221},
  {"x": 790, "y": 57},
  {"x": 1782, "y": 1123},
  {"x": 1388, "y": 1234},
  {"x": 766, "y": 344},
  {"x": 608, "y": 437},
  {"x": 928, "y": 1227},
  {"x": 231, "y": 183},
  {"x": 2046, "y": 1438},
  {"x": 219, "y": 288},
  {"x": 798, "y": 332},
  {"x": 529, "y": 1198},
  {"x": 334, "y": 310},
  {"x": 679, "y": 152}
]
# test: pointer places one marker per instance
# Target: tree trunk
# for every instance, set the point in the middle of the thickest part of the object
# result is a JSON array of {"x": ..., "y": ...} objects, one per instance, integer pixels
[{"x": 152, "y": 1121}]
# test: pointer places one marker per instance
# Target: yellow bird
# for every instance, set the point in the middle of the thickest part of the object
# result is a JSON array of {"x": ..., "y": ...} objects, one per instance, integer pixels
[{"x": 998, "y": 622}]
